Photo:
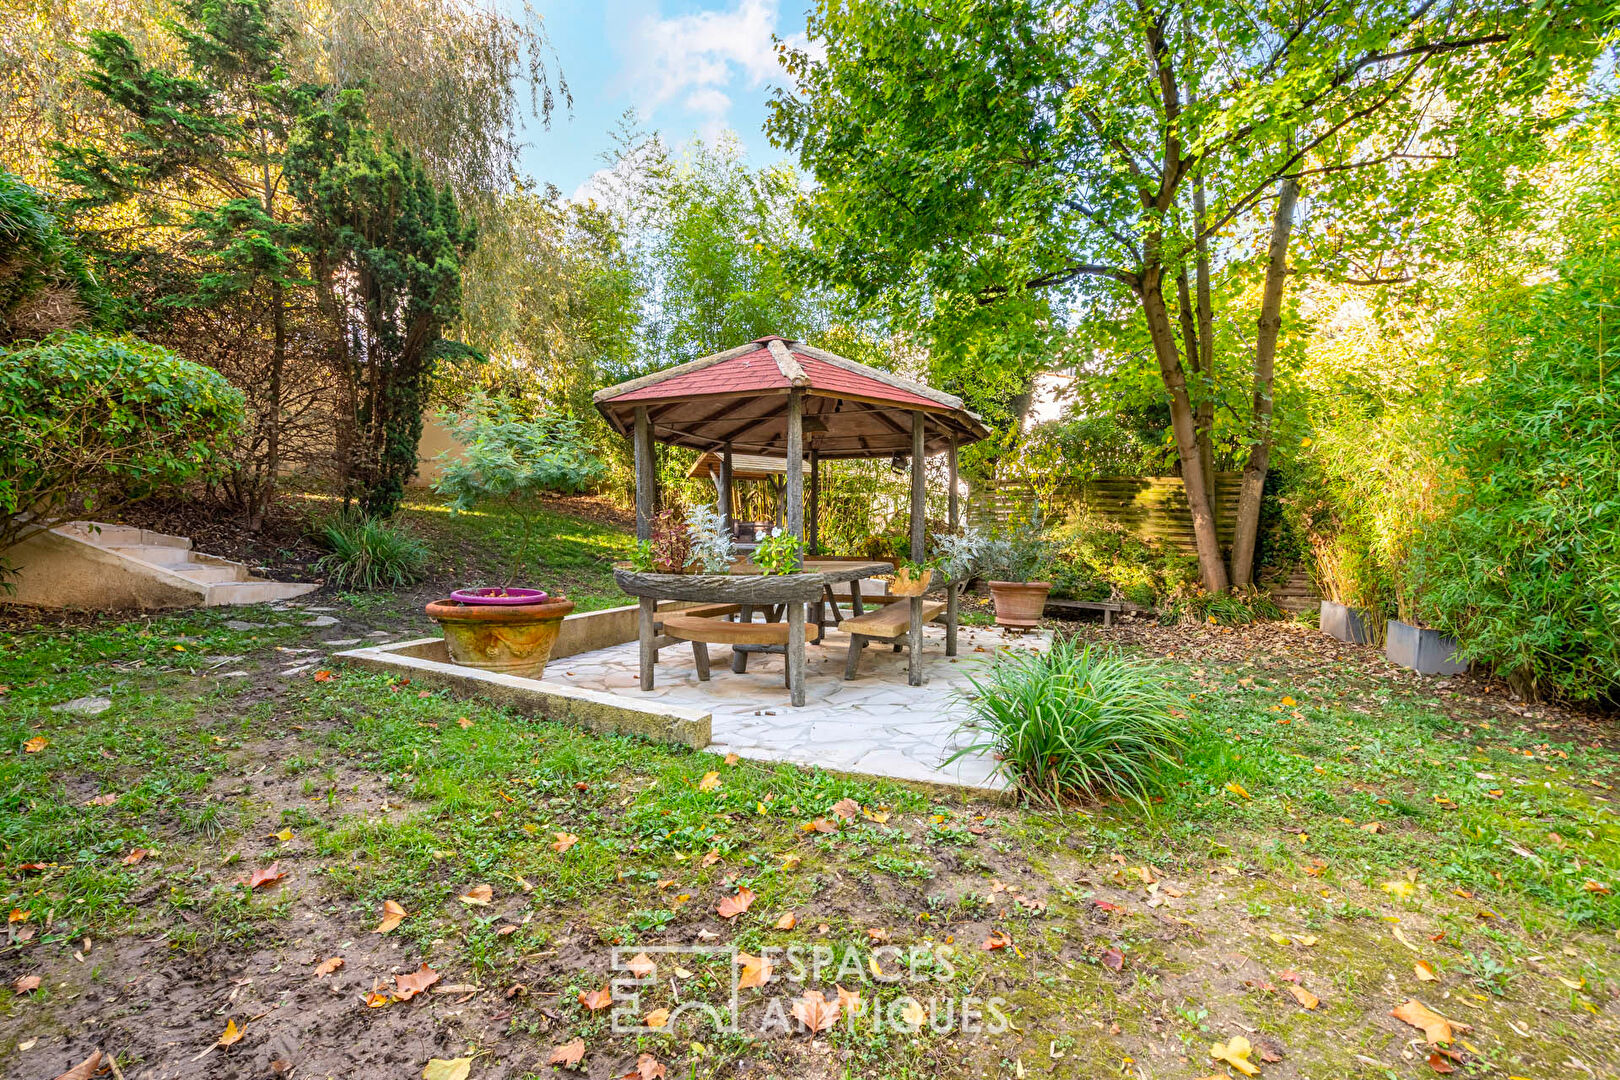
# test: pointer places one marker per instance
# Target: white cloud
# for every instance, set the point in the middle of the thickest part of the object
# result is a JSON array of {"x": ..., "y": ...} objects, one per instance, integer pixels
[{"x": 695, "y": 58}]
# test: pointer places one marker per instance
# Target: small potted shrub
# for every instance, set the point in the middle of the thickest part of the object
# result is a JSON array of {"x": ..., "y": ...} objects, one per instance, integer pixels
[
  {"x": 779, "y": 553},
  {"x": 910, "y": 579},
  {"x": 1017, "y": 562},
  {"x": 511, "y": 460}
]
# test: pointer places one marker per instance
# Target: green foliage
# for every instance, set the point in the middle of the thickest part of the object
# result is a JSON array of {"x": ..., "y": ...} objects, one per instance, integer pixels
[
  {"x": 44, "y": 282},
  {"x": 1099, "y": 558},
  {"x": 1070, "y": 722},
  {"x": 88, "y": 423},
  {"x": 369, "y": 553},
  {"x": 779, "y": 553},
  {"x": 670, "y": 549},
  {"x": 712, "y": 548},
  {"x": 1017, "y": 551},
  {"x": 1239, "y": 607},
  {"x": 505, "y": 455},
  {"x": 1521, "y": 560},
  {"x": 386, "y": 245}
]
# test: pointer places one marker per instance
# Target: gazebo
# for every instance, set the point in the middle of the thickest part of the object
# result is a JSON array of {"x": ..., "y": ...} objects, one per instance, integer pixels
[{"x": 783, "y": 399}]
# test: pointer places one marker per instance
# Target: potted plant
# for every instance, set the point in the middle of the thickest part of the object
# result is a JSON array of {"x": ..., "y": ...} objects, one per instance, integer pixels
[
  {"x": 910, "y": 579},
  {"x": 779, "y": 553},
  {"x": 510, "y": 459},
  {"x": 1017, "y": 561}
]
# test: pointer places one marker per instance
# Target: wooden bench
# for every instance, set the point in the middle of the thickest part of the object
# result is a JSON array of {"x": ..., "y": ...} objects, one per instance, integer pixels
[
  {"x": 704, "y": 630},
  {"x": 891, "y": 623},
  {"x": 1109, "y": 608}
]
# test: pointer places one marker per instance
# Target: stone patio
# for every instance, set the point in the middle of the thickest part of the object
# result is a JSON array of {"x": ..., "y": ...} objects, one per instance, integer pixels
[{"x": 875, "y": 724}]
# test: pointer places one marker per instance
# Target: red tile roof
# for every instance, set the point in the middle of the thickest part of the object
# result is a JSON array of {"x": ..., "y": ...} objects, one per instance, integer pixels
[{"x": 758, "y": 371}]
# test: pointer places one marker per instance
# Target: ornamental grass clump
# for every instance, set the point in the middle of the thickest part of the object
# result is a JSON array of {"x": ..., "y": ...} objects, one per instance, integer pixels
[
  {"x": 1071, "y": 723},
  {"x": 368, "y": 553}
]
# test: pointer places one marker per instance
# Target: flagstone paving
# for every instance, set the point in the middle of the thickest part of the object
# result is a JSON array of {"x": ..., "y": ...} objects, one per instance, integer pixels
[{"x": 875, "y": 724}]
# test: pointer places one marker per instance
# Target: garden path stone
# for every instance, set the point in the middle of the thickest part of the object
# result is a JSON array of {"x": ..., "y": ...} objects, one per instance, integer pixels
[
  {"x": 321, "y": 620},
  {"x": 340, "y": 641},
  {"x": 84, "y": 706},
  {"x": 239, "y": 625}
]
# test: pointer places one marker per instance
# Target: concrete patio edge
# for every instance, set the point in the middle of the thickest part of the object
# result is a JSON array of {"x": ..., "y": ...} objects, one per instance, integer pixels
[{"x": 426, "y": 660}]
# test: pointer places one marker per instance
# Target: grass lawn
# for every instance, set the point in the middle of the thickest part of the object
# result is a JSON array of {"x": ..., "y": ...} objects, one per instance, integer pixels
[{"x": 1341, "y": 840}]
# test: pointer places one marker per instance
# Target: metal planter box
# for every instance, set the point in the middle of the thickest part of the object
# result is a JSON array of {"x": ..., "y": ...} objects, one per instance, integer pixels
[
  {"x": 1345, "y": 623},
  {"x": 1428, "y": 652}
]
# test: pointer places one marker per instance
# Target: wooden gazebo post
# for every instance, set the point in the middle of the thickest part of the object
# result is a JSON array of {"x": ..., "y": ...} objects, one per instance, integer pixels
[
  {"x": 645, "y": 493},
  {"x": 952, "y": 517},
  {"x": 919, "y": 526},
  {"x": 725, "y": 490},
  {"x": 793, "y": 494},
  {"x": 814, "y": 544}
]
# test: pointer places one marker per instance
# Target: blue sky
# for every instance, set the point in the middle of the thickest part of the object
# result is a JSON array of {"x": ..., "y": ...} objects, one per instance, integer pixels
[{"x": 688, "y": 67}]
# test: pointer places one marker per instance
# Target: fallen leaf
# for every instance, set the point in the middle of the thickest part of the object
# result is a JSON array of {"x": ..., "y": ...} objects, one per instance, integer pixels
[
  {"x": 393, "y": 915},
  {"x": 326, "y": 967},
  {"x": 285, "y": 835},
  {"x": 323, "y": 676},
  {"x": 264, "y": 876},
  {"x": 1305, "y": 997},
  {"x": 85, "y": 1069},
  {"x": 846, "y": 809},
  {"x": 821, "y": 825},
  {"x": 564, "y": 842},
  {"x": 135, "y": 856},
  {"x": 756, "y": 971},
  {"x": 879, "y": 816},
  {"x": 232, "y": 1034},
  {"x": 657, "y": 1018},
  {"x": 1235, "y": 1053},
  {"x": 815, "y": 1012},
  {"x": 478, "y": 896},
  {"x": 732, "y": 759},
  {"x": 36, "y": 744},
  {"x": 453, "y": 1069},
  {"x": 27, "y": 984},
  {"x": 849, "y": 1000},
  {"x": 646, "y": 1068},
  {"x": 417, "y": 982},
  {"x": 732, "y": 906},
  {"x": 1440, "y": 1063},
  {"x": 1403, "y": 890},
  {"x": 1436, "y": 1028},
  {"x": 18, "y": 915},
  {"x": 641, "y": 965},
  {"x": 568, "y": 1054},
  {"x": 787, "y": 922},
  {"x": 595, "y": 1000},
  {"x": 1424, "y": 971},
  {"x": 1372, "y": 827},
  {"x": 464, "y": 722},
  {"x": 1237, "y": 789},
  {"x": 710, "y": 781},
  {"x": 102, "y": 800},
  {"x": 1113, "y": 960},
  {"x": 998, "y": 939},
  {"x": 912, "y": 1013}
]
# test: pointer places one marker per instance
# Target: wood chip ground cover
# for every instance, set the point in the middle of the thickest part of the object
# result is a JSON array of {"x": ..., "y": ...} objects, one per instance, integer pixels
[{"x": 1122, "y": 944}]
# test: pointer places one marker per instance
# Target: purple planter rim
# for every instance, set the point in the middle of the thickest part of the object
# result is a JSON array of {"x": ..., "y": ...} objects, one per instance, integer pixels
[{"x": 497, "y": 597}]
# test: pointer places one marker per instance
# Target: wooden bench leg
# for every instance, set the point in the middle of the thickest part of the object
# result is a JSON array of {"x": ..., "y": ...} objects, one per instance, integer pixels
[
  {"x": 700, "y": 657},
  {"x": 1108, "y": 617},
  {"x": 739, "y": 659},
  {"x": 856, "y": 644},
  {"x": 952, "y": 613}
]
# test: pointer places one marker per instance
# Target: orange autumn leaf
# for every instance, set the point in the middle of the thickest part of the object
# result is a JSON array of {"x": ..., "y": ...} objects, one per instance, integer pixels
[
  {"x": 323, "y": 676},
  {"x": 820, "y": 825},
  {"x": 102, "y": 800},
  {"x": 595, "y": 1000},
  {"x": 393, "y": 915},
  {"x": 647, "y": 1067},
  {"x": 564, "y": 842},
  {"x": 657, "y": 1018},
  {"x": 849, "y": 1000},
  {"x": 326, "y": 967},
  {"x": 641, "y": 965},
  {"x": 568, "y": 1054},
  {"x": 732, "y": 759},
  {"x": 135, "y": 856},
  {"x": 36, "y": 744},
  {"x": 787, "y": 922},
  {"x": 998, "y": 939},
  {"x": 1305, "y": 997},
  {"x": 264, "y": 876},
  {"x": 1436, "y": 1028},
  {"x": 27, "y": 984},
  {"x": 847, "y": 809},
  {"x": 732, "y": 906},
  {"x": 464, "y": 722},
  {"x": 232, "y": 1034},
  {"x": 710, "y": 781},
  {"x": 85, "y": 1069},
  {"x": 815, "y": 1012},
  {"x": 478, "y": 896},
  {"x": 756, "y": 971},
  {"x": 417, "y": 982}
]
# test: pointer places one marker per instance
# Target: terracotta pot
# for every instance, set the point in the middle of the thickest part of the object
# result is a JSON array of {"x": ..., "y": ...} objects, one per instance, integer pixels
[
  {"x": 1019, "y": 604},
  {"x": 515, "y": 638}
]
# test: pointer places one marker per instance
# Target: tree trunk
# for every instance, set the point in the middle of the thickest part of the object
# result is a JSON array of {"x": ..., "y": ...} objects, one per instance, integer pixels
[
  {"x": 1206, "y": 334},
  {"x": 266, "y": 493},
  {"x": 1204, "y": 410},
  {"x": 1182, "y": 424},
  {"x": 1265, "y": 361}
]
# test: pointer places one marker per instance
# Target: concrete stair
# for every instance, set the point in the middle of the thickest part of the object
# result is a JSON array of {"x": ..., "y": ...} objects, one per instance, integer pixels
[{"x": 92, "y": 566}]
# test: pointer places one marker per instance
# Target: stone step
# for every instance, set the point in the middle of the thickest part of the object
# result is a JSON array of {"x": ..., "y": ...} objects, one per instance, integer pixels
[
  {"x": 155, "y": 554},
  {"x": 212, "y": 572},
  {"x": 254, "y": 591}
]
